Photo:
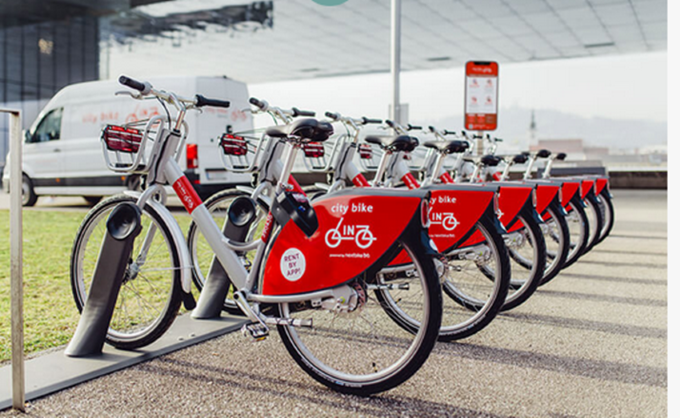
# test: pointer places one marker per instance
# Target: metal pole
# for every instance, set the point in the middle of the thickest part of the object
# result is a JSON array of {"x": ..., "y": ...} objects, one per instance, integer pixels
[
  {"x": 480, "y": 143},
  {"x": 396, "y": 60},
  {"x": 16, "y": 261}
]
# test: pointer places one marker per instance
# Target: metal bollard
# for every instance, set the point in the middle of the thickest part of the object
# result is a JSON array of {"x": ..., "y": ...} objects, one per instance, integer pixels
[
  {"x": 123, "y": 226},
  {"x": 241, "y": 214}
]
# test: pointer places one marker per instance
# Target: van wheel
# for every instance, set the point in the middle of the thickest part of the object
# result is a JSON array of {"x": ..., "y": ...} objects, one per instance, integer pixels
[
  {"x": 92, "y": 200},
  {"x": 28, "y": 196}
]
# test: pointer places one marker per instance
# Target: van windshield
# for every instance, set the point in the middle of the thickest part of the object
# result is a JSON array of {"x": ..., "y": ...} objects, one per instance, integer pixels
[{"x": 49, "y": 128}]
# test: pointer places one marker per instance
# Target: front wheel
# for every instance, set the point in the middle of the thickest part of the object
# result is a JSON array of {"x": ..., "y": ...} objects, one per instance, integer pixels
[
  {"x": 607, "y": 209},
  {"x": 150, "y": 295},
  {"x": 365, "y": 351},
  {"x": 202, "y": 255}
]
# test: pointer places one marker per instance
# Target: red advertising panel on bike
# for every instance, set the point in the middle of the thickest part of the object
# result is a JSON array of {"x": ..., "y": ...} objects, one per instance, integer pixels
[
  {"x": 600, "y": 184},
  {"x": 481, "y": 95},
  {"x": 569, "y": 189},
  {"x": 453, "y": 213},
  {"x": 354, "y": 231}
]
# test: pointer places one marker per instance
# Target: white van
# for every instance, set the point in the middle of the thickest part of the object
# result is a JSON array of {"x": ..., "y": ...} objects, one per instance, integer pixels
[{"x": 62, "y": 152}]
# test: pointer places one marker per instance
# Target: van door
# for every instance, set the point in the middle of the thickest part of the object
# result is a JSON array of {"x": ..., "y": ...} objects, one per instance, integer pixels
[{"x": 42, "y": 154}]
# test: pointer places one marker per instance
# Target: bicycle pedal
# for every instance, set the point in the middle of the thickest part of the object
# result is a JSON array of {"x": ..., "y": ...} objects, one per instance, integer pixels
[{"x": 257, "y": 332}]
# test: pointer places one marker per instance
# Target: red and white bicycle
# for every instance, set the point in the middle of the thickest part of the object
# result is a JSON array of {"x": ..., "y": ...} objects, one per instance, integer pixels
[{"x": 335, "y": 318}]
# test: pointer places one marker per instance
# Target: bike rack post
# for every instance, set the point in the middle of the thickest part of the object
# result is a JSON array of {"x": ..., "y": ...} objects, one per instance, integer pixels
[
  {"x": 123, "y": 226},
  {"x": 240, "y": 216},
  {"x": 16, "y": 260}
]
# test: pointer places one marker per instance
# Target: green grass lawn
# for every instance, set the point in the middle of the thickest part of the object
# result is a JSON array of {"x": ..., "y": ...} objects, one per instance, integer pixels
[{"x": 50, "y": 314}]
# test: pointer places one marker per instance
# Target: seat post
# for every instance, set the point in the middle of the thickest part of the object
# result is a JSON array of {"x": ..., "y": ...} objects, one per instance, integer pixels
[
  {"x": 548, "y": 166},
  {"x": 530, "y": 165},
  {"x": 436, "y": 170},
  {"x": 380, "y": 172},
  {"x": 506, "y": 171},
  {"x": 288, "y": 161}
]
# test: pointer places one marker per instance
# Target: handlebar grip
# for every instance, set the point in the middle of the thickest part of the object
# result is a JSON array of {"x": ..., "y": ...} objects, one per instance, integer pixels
[
  {"x": 389, "y": 123},
  {"x": 446, "y": 132},
  {"x": 332, "y": 115},
  {"x": 204, "y": 101},
  {"x": 143, "y": 88},
  {"x": 414, "y": 127},
  {"x": 366, "y": 120},
  {"x": 298, "y": 112},
  {"x": 498, "y": 139},
  {"x": 255, "y": 102}
]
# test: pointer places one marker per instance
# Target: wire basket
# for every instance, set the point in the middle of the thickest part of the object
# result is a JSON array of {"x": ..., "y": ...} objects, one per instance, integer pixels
[
  {"x": 321, "y": 157},
  {"x": 124, "y": 145},
  {"x": 369, "y": 156},
  {"x": 241, "y": 151}
]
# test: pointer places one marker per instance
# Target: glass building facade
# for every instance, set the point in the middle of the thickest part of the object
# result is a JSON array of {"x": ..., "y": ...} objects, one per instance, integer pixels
[{"x": 37, "y": 60}]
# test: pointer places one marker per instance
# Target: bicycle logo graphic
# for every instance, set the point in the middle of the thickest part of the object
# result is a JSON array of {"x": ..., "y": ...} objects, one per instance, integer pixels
[
  {"x": 361, "y": 234},
  {"x": 446, "y": 220}
]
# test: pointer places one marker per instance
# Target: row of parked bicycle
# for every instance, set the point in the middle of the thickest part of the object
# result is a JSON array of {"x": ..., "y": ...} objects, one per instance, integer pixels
[{"x": 361, "y": 275}]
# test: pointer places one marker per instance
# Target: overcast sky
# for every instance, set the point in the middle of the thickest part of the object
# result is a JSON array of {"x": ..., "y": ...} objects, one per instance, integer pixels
[{"x": 618, "y": 87}]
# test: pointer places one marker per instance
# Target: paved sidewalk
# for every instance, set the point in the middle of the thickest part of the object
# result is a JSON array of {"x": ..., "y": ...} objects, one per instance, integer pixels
[{"x": 592, "y": 343}]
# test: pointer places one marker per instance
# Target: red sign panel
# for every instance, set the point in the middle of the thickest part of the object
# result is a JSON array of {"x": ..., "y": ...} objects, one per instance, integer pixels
[{"x": 481, "y": 95}]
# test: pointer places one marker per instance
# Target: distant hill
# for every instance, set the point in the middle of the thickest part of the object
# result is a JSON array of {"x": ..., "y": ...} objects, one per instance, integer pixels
[{"x": 552, "y": 124}]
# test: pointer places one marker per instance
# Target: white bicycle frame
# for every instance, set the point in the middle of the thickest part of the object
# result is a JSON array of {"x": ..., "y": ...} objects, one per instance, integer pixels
[{"x": 164, "y": 168}]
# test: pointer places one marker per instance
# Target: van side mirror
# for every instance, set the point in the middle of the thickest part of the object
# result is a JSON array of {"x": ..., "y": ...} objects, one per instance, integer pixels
[{"x": 27, "y": 136}]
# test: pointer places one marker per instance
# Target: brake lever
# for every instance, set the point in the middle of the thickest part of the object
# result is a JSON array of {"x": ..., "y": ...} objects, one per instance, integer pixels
[{"x": 130, "y": 93}]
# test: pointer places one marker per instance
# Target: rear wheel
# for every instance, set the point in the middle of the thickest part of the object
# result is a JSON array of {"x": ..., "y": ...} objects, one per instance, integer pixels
[
  {"x": 527, "y": 250},
  {"x": 475, "y": 279},
  {"x": 366, "y": 351},
  {"x": 607, "y": 210},
  {"x": 579, "y": 227},
  {"x": 595, "y": 220},
  {"x": 556, "y": 236}
]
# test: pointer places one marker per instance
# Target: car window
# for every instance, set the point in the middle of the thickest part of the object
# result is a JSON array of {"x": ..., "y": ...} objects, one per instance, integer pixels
[{"x": 49, "y": 128}]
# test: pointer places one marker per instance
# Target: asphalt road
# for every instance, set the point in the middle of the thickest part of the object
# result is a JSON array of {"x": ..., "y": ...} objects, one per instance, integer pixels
[{"x": 591, "y": 343}]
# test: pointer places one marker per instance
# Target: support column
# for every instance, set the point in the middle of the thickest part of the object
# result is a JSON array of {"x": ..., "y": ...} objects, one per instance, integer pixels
[
  {"x": 396, "y": 60},
  {"x": 16, "y": 261}
]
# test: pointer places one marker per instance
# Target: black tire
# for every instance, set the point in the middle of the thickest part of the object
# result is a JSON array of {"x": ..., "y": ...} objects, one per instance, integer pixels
[
  {"x": 28, "y": 196},
  {"x": 579, "y": 228},
  {"x": 556, "y": 237},
  {"x": 202, "y": 254},
  {"x": 527, "y": 266},
  {"x": 92, "y": 200},
  {"x": 156, "y": 290},
  {"x": 367, "y": 357},
  {"x": 595, "y": 220},
  {"x": 481, "y": 291},
  {"x": 607, "y": 208}
]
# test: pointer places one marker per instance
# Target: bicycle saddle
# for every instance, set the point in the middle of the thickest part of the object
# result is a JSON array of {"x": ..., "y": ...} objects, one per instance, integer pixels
[
  {"x": 308, "y": 129},
  {"x": 520, "y": 158},
  {"x": 490, "y": 160},
  {"x": 448, "y": 147},
  {"x": 561, "y": 156},
  {"x": 394, "y": 143},
  {"x": 544, "y": 153}
]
